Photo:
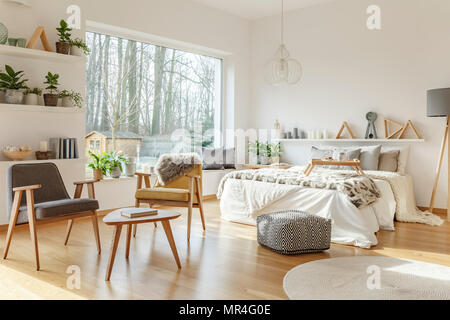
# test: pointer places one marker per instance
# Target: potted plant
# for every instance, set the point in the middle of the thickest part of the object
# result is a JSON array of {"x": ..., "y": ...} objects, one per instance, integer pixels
[
  {"x": 13, "y": 83},
  {"x": 71, "y": 99},
  {"x": 63, "y": 45},
  {"x": 115, "y": 161},
  {"x": 79, "y": 48},
  {"x": 32, "y": 96},
  {"x": 266, "y": 153},
  {"x": 51, "y": 99},
  {"x": 254, "y": 149},
  {"x": 99, "y": 165},
  {"x": 276, "y": 152}
]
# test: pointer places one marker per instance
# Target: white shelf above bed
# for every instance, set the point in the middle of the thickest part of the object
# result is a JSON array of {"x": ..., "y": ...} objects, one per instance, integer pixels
[{"x": 353, "y": 140}]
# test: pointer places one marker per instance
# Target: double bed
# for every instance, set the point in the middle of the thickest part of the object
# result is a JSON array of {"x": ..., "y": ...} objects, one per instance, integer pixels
[{"x": 244, "y": 196}]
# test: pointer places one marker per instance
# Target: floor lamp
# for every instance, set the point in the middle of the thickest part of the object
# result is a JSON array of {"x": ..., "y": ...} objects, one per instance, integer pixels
[{"x": 438, "y": 105}]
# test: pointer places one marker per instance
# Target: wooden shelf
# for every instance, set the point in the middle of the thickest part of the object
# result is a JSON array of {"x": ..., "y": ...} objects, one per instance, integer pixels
[
  {"x": 354, "y": 140},
  {"x": 39, "y": 54},
  {"x": 30, "y": 108}
]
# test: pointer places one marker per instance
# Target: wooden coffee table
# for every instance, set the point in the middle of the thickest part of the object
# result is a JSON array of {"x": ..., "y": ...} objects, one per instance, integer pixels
[{"x": 116, "y": 219}]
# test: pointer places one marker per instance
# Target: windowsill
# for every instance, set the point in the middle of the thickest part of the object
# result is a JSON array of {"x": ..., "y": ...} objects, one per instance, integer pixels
[{"x": 112, "y": 180}]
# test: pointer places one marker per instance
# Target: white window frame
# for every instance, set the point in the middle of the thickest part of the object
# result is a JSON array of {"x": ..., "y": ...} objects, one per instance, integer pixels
[{"x": 129, "y": 34}]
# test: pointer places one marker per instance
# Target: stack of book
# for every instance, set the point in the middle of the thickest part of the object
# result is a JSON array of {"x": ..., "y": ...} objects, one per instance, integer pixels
[{"x": 64, "y": 148}]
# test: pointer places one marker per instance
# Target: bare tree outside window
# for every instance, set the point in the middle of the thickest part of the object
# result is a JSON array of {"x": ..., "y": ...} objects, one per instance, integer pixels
[{"x": 138, "y": 94}]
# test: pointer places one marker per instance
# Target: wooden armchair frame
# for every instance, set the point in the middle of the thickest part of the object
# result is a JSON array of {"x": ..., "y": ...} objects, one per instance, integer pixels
[
  {"x": 194, "y": 186},
  {"x": 29, "y": 191}
]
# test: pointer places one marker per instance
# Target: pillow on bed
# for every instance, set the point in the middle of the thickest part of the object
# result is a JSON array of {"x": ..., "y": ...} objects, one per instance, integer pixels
[
  {"x": 350, "y": 154},
  {"x": 402, "y": 157},
  {"x": 388, "y": 161},
  {"x": 318, "y": 153},
  {"x": 369, "y": 157}
]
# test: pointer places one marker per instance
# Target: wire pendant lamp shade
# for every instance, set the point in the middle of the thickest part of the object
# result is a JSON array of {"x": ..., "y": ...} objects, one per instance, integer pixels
[{"x": 282, "y": 69}]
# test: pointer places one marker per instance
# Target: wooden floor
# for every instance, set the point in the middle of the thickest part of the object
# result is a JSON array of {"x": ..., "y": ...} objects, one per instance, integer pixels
[{"x": 225, "y": 262}]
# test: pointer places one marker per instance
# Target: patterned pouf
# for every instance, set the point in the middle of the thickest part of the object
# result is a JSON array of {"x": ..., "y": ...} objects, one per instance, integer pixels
[{"x": 293, "y": 232}]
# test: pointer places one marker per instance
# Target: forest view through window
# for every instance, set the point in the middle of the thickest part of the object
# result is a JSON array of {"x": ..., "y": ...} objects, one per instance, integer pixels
[{"x": 145, "y": 100}]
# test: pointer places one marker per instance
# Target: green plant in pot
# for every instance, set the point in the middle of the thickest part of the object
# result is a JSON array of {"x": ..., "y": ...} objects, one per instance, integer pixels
[
  {"x": 254, "y": 149},
  {"x": 79, "y": 48},
  {"x": 276, "y": 152},
  {"x": 63, "y": 45},
  {"x": 266, "y": 153},
  {"x": 99, "y": 164},
  {"x": 51, "y": 98},
  {"x": 71, "y": 99},
  {"x": 12, "y": 82},
  {"x": 32, "y": 96},
  {"x": 115, "y": 161}
]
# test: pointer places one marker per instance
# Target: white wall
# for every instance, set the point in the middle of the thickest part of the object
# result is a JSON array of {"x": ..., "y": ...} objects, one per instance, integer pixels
[{"x": 349, "y": 70}]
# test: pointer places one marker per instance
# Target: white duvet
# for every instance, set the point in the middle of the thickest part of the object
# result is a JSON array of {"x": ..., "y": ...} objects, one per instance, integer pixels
[{"x": 243, "y": 200}]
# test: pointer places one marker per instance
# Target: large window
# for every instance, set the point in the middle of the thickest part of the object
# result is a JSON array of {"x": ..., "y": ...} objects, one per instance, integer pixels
[{"x": 146, "y": 100}]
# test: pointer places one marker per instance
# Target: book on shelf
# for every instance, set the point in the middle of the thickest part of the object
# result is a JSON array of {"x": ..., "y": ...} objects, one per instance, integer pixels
[
  {"x": 138, "y": 212},
  {"x": 64, "y": 148}
]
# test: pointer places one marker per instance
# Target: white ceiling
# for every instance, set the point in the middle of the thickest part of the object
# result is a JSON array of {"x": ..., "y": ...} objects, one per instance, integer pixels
[{"x": 255, "y": 9}]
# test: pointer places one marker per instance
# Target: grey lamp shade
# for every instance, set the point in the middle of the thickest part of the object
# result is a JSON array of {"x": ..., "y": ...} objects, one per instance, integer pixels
[{"x": 438, "y": 102}]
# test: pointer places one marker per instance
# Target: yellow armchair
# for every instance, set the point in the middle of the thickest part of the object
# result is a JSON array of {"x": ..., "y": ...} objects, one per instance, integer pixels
[{"x": 184, "y": 191}]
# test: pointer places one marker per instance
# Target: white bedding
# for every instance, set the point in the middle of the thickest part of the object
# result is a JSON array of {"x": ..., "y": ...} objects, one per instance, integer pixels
[{"x": 243, "y": 200}]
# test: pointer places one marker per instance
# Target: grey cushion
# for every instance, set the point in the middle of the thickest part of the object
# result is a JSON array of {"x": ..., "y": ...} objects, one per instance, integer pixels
[
  {"x": 321, "y": 153},
  {"x": 293, "y": 232},
  {"x": 212, "y": 158},
  {"x": 229, "y": 158},
  {"x": 389, "y": 161},
  {"x": 58, "y": 208},
  {"x": 369, "y": 157}
]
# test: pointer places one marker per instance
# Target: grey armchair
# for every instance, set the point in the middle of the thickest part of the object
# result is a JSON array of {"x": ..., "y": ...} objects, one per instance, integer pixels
[{"x": 46, "y": 200}]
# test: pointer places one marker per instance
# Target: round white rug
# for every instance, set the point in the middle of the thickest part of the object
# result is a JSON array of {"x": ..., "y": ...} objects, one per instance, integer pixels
[{"x": 367, "y": 278}]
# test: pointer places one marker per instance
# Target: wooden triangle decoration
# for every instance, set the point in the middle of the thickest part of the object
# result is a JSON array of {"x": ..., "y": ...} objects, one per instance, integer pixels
[
  {"x": 39, "y": 33},
  {"x": 387, "y": 133},
  {"x": 341, "y": 130},
  {"x": 409, "y": 124}
]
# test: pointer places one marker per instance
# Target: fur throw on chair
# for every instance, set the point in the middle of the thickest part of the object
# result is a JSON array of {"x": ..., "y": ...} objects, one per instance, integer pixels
[{"x": 174, "y": 165}]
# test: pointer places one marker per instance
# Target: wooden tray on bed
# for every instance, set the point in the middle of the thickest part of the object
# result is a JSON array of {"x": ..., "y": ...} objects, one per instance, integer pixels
[{"x": 355, "y": 163}]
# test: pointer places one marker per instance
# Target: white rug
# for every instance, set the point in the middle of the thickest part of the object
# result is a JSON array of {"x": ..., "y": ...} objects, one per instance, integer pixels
[{"x": 367, "y": 278}]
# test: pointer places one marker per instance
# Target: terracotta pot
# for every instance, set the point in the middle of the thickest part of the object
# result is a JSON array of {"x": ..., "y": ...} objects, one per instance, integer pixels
[
  {"x": 275, "y": 160},
  {"x": 63, "y": 47},
  {"x": 98, "y": 174},
  {"x": 51, "y": 100},
  {"x": 265, "y": 160}
]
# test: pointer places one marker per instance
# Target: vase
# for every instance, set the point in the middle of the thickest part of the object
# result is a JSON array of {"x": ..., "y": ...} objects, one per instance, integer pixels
[
  {"x": 3, "y": 33},
  {"x": 21, "y": 42},
  {"x": 14, "y": 96},
  {"x": 32, "y": 99},
  {"x": 116, "y": 172},
  {"x": 12, "y": 42},
  {"x": 131, "y": 168},
  {"x": 75, "y": 51}
]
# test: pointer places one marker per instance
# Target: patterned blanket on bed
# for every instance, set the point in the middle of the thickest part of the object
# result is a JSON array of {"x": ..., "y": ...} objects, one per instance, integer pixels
[{"x": 360, "y": 190}]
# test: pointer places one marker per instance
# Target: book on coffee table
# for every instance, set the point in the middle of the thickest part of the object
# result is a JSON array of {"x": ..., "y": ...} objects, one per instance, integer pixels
[{"x": 138, "y": 212}]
